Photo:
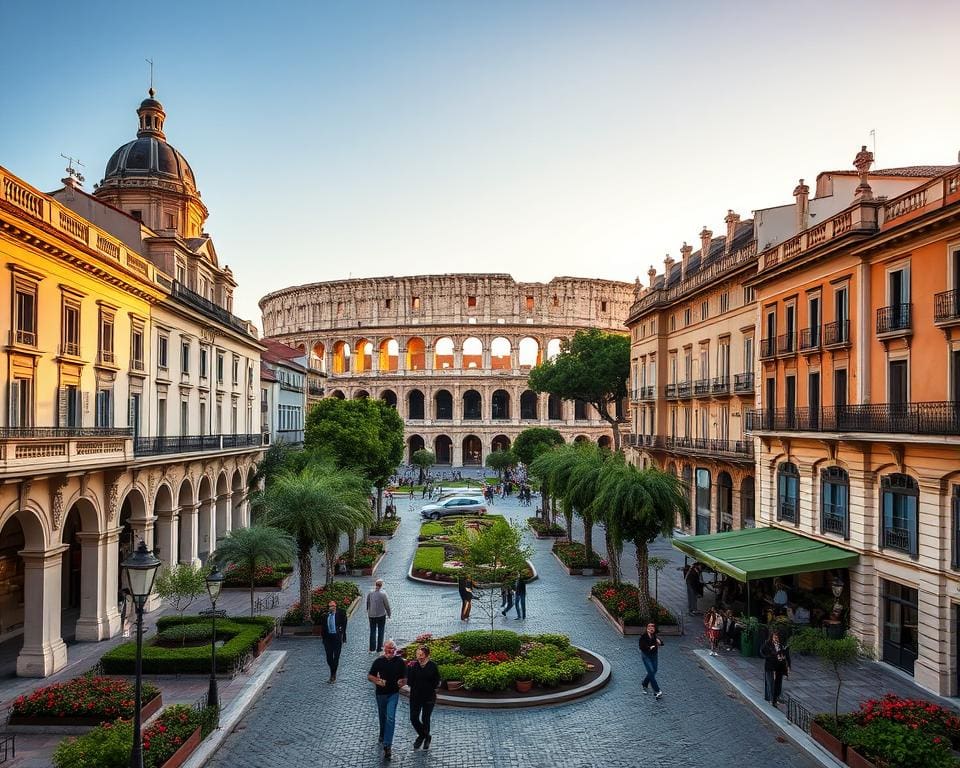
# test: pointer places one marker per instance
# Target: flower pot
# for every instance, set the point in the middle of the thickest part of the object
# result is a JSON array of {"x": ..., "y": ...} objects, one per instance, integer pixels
[
  {"x": 856, "y": 760},
  {"x": 179, "y": 757},
  {"x": 454, "y": 685},
  {"x": 523, "y": 686},
  {"x": 828, "y": 741}
]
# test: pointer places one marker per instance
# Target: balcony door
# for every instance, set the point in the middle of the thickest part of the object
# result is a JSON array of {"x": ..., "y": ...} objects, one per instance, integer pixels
[
  {"x": 770, "y": 402},
  {"x": 897, "y": 382},
  {"x": 955, "y": 375},
  {"x": 814, "y": 312},
  {"x": 813, "y": 398},
  {"x": 790, "y": 397}
]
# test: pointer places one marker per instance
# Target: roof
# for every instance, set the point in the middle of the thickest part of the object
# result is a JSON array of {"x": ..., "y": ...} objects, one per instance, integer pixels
[
  {"x": 266, "y": 374},
  {"x": 277, "y": 352},
  {"x": 906, "y": 171},
  {"x": 742, "y": 236},
  {"x": 760, "y": 553}
]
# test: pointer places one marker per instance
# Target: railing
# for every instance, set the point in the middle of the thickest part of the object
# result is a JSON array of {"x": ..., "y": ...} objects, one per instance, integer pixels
[
  {"x": 648, "y": 393},
  {"x": 894, "y": 318},
  {"x": 23, "y": 338},
  {"x": 208, "y": 308},
  {"x": 70, "y": 348},
  {"x": 810, "y": 339},
  {"x": 709, "y": 445},
  {"x": 786, "y": 510},
  {"x": 946, "y": 307},
  {"x": 901, "y": 539},
  {"x": 137, "y": 365},
  {"x": 797, "y": 713},
  {"x": 743, "y": 382},
  {"x": 670, "y": 390},
  {"x": 833, "y": 522},
  {"x": 61, "y": 432},
  {"x": 8, "y": 747},
  {"x": 701, "y": 387},
  {"x": 768, "y": 348},
  {"x": 786, "y": 344},
  {"x": 836, "y": 335},
  {"x": 152, "y": 446},
  {"x": 313, "y": 389},
  {"x": 721, "y": 385},
  {"x": 926, "y": 418},
  {"x": 684, "y": 389},
  {"x": 859, "y": 218},
  {"x": 105, "y": 357}
]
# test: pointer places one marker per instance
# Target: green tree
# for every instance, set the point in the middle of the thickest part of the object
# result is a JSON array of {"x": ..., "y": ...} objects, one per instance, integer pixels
[
  {"x": 529, "y": 444},
  {"x": 312, "y": 506},
  {"x": 500, "y": 460},
  {"x": 593, "y": 366},
  {"x": 249, "y": 548},
  {"x": 180, "y": 585},
  {"x": 639, "y": 505},
  {"x": 835, "y": 653},
  {"x": 423, "y": 459}
]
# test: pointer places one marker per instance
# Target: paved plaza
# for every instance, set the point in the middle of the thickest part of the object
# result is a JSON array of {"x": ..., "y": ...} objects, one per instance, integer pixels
[{"x": 302, "y": 721}]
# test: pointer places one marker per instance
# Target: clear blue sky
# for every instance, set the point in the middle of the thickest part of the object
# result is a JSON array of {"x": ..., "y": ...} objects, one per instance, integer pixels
[{"x": 536, "y": 138}]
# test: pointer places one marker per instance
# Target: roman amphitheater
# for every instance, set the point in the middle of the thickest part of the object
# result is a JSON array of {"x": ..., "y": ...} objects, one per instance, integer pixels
[{"x": 450, "y": 352}]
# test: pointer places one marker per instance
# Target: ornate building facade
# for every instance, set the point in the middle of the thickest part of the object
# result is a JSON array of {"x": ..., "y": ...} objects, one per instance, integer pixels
[
  {"x": 129, "y": 391},
  {"x": 450, "y": 352}
]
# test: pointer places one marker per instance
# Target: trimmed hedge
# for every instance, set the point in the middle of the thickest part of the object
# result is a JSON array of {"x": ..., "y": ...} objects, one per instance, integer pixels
[
  {"x": 477, "y": 641},
  {"x": 430, "y": 557},
  {"x": 386, "y": 527},
  {"x": 186, "y": 633},
  {"x": 160, "y": 660}
]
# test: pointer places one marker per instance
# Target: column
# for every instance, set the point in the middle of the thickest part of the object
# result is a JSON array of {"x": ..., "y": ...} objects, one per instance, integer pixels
[
  {"x": 188, "y": 549},
  {"x": 402, "y": 359},
  {"x": 111, "y": 578},
  {"x": 456, "y": 451},
  {"x": 735, "y": 510},
  {"x": 96, "y": 594},
  {"x": 223, "y": 506},
  {"x": 43, "y": 651},
  {"x": 165, "y": 538}
]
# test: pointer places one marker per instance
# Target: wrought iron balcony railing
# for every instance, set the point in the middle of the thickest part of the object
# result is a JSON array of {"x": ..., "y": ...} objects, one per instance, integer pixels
[
  {"x": 701, "y": 387},
  {"x": 768, "y": 348},
  {"x": 670, "y": 390},
  {"x": 648, "y": 393},
  {"x": 787, "y": 344},
  {"x": 946, "y": 307},
  {"x": 929, "y": 418},
  {"x": 721, "y": 385},
  {"x": 705, "y": 445},
  {"x": 684, "y": 389},
  {"x": 894, "y": 319},
  {"x": 62, "y": 432},
  {"x": 810, "y": 339},
  {"x": 151, "y": 446},
  {"x": 832, "y": 521},
  {"x": 836, "y": 335},
  {"x": 901, "y": 539},
  {"x": 743, "y": 382}
]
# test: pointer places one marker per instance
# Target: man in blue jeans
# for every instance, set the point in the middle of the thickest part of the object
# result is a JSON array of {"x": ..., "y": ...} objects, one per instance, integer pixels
[
  {"x": 650, "y": 643},
  {"x": 520, "y": 596},
  {"x": 388, "y": 673}
]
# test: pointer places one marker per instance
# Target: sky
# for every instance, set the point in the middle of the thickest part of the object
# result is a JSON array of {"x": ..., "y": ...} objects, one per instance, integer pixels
[{"x": 538, "y": 138}]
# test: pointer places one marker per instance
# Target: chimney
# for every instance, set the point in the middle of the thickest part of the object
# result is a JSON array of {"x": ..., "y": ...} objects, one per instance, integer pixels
[
  {"x": 705, "y": 237},
  {"x": 801, "y": 194},
  {"x": 667, "y": 268},
  {"x": 685, "y": 251},
  {"x": 652, "y": 274},
  {"x": 732, "y": 219},
  {"x": 862, "y": 163}
]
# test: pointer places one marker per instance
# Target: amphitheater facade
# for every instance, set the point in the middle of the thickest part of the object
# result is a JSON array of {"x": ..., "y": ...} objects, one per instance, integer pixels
[{"x": 450, "y": 352}]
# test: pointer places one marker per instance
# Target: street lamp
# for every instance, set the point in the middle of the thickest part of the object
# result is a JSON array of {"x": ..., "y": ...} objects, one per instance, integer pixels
[
  {"x": 214, "y": 585},
  {"x": 141, "y": 569}
]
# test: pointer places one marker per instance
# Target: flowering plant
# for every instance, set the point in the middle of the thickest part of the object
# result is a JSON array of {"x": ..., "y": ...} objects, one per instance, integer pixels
[
  {"x": 105, "y": 698},
  {"x": 939, "y": 722},
  {"x": 263, "y": 575},
  {"x": 493, "y": 657},
  {"x": 168, "y": 733},
  {"x": 623, "y": 602},
  {"x": 574, "y": 555},
  {"x": 344, "y": 592}
]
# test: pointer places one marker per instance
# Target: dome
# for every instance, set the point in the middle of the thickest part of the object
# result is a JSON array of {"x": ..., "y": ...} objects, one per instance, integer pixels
[{"x": 150, "y": 156}]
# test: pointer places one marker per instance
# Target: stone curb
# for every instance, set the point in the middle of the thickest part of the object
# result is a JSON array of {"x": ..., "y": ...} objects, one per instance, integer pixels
[
  {"x": 773, "y": 715},
  {"x": 421, "y": 580},
  {"x": 234, "y": 712}
]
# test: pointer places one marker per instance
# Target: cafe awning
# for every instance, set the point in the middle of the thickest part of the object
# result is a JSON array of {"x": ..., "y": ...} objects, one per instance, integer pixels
[{"x": 761, "y": 553}]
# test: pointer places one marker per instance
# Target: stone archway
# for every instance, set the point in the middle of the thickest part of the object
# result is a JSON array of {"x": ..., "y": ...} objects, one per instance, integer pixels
[
  {"x": 223, "y": 510},
  {"x": 389, "y": 397},
  {"x": 165, "y": 527},
  {"x": 187, "y": 527},
  {"x": 604, "y": 442},
  {"x": 500, "y": 405},
  {"x": 239, "y": 513},
  {"x": 443, "y": 405},
  {"x": 472, "y": 405},
  {"x": 414, "y": 443},
  {"x": 529, "y": 406},
  {"x": 472, "y": 451},
  {"x": 415, "y": 405},
  {"x": 88, "y": 611},
  {"x": 443, "y": 449},
  {"x": 500, "y": 443}
]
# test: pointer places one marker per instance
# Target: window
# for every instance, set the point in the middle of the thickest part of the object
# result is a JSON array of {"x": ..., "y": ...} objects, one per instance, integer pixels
[
  {"x": 138, "y": 215},
  {"x": 236, "y": 371},
  {"x": 955, "y": 511},
  {"x": 161, "y": 417},
  {"x": 104, "y": 408},
  {"x": 339, "y": 308},
  {"x": 842, "y": 317},
  {"x": 203, "y": 363},
  {"x": 105, "y": 337},
  {"x": 899, "y": 496},
  {"x": 748, "y": 354},
  {"x": 25, "y": 312},
  {"x": 900, "y": 621},
  {"x": 813, "y": 311},
  {"x": 834, "y": 504},
  {"x": 703, "y": 500},
  {"x": 219, "y": 367},
  {"x": 673, "y": 322},
  {"x": 686, "y": 316},
  {"x": 724, "y": 302},
  {"x": 20, "y": 403},
  {"x": 749, "y": 294},
  {"x": 133, "y": 414},
  {"x": 184, "y": 418},
  {"x": 136, "y": 348},
  {"x": 556, "y": 300},
  {"x": 202, "y": 286},
  {"x": 788, "y": 493},
  {"x": 704, "y": 310},
  {"x": 163, "y": 354},
  {"x": 233, "y": 419},
  {"x": 529, "y": 303},
  {"x": 171, "y": 221},
  {"x": 70, "y": 328},
  {"x": 185, "y": 356},
  {"x": 415, "y": 303},
  {"x": 897, "y": 383},
  {"x": 181, "y": 273},
  {"x": 603, "y": 306},
  {"x": 203, "y": 418}
]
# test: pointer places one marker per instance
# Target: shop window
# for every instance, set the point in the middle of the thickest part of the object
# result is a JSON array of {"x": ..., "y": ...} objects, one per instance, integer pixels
[
  {"x": 788, "y": 493},
  {"x": 899, "y": 497}
]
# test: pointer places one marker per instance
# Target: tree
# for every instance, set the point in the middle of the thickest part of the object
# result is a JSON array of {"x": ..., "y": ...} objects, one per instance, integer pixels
[
  {"x": 835, "y": 653},
  {"x": 639, "y": 505},
  {"x": 657, "y": 564},
  {"x": 593, "y": 366},
  {"x": 529, "y": 444},
  {"x": 249, "y": 548},
  {"x": 424, "y": 459},
  {"x": 180, "y": 585},
  {"x": 500, "y": 460},
  {"x": 310, "y": 505}
]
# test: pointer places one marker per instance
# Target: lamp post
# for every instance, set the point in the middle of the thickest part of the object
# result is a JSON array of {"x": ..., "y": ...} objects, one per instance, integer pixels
[
  {"x": 214, "y": 584},
  {"x": 141, "y": 569}
]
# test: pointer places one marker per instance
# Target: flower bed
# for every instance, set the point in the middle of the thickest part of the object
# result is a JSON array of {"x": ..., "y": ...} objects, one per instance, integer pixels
[
  {"x": 241, "y": 635},
  {"x": 82, "y": 701},
  {"x": 621, "y": 603},
  {"x": 365, "y": 556},
  {"x": 167, "y": 742},
  {"x": 443, "y": 528},
  {"x": 344, "y": 592},
  {"x": 264, "y": 577},
  {"x": 543, "y": 530},
  {"x": 573, "y": 557},
  {"x": 386, "y": 527}
]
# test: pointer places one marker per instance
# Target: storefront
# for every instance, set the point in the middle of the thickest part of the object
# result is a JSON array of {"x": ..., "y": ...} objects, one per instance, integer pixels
[{"x": 900, "y": 620}]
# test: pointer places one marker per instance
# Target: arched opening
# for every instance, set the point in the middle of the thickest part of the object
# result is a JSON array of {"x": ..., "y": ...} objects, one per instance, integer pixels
[
  {"x": 164, "y": 527},
  {"x": 725, "y": 501},
  {"x": 443, "y": 353},
  {"x": 672, "y": 468},
  {"x": 472, "y": 405},
  {"x": 500, "y": 443},
  {"x": 555, "y": 408},
  {"x": 443, "y": 449},
  {"x": 415, "y": 405},
  {"x": 747, "y": 503},
  {"x": 472, "y": 353},
  {"x": 238, "y": 502},
  {"x": 187, "y": 524},
  {"x": 553, "y": 348},
  {"x": 472, "y": 451},
  {"x": 70, "y": 568},
  {"x": 361, "y": 394},
  {"x": 132, "y": 510},
  {"x": 12, "y": 601},
  {"x": 414, "y": 443},
  {"x": 389, "y": 397},
  {"x": 581, "y": 439},
  {"x": 338, "y": 393},
  {"x": 528, "y": 352},
  {"x": 389, "y": 359},
  {"x": 416, "y": 354},
  {"x": 443, "y": 405},
  {"x": 500, "y": 354},
  {"x": 341, "y": 357},
  {"x": 529, "y": 405},
  {"x": 318, "y": 357},
  {"x": 223, "y": 510},
  {"x": 604, "y": 442},
  {"x": 703, "y": 500},
  {"x": 364, "y": 356},
  {"x": 206, "y": 536},
  {"x": 580, "y": 410},
  {"x": 500, "y": 404},
  {"x": 81, "y": 615}
]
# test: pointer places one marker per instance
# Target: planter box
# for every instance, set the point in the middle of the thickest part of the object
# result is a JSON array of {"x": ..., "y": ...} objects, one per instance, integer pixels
[
  {"x": 179, "y": 757},
  {"x": 580, "y": 571},
  {"x": 43, "y": 722},
  {"x": 368, "y": 571},
  {"x": 667, "y": 630},
  {"x": 856, "y": 760},
  {"x": 386, "y": 536},
  {"x": 263, "y": 644},
  {"x": 277, "y": 586},
  {"x": 828, "y": 741}
]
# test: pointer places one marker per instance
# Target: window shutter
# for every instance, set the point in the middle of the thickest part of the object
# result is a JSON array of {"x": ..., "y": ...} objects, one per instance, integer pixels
[
  {"x": 77, "y": 402},
  {"x": 62, "y": 405},
  {"x": 13, "y": 404}
]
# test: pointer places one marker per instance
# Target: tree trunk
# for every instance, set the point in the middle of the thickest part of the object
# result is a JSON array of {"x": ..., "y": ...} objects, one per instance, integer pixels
[
  {"x": 613, "y": 556},
  {"x": 612, "y": 421},
  {"x": 306, "y": 579},
  {"x": 568, "y": 519},
  {"x": 351, "y": 543},
  {"x": 588, "y": 536},
  {"x": 330, "y": 551},
  {"x": 379, "y": 502},
  {"x": 545, "y": 503},
  {"x": 420, "y": 479},
  {"x": 643, "y": 578},
  {"x": 253, "y": 582}
]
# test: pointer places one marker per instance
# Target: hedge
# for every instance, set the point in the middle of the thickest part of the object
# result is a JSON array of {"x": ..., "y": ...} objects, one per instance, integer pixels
[
  {"x": 432, "y": 558},
  {"x": 159, "y": 660},
  {"x": 477, "y": 641}
]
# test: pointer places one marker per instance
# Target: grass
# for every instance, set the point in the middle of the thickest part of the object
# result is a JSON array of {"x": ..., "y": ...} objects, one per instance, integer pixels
[
  {"x": 430, "y": 558},
  {"x": 444, "y": 526}
]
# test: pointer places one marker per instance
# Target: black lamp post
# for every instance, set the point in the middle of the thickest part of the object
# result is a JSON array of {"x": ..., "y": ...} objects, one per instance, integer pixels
[
  {"x": 141, "y": 569},
  {"x": 214, "y": 584}
]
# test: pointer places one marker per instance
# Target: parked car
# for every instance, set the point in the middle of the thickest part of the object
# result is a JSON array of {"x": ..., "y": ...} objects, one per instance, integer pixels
[
  {"x": 473, "y": 493},
  {"x": 456, "y": 505}
]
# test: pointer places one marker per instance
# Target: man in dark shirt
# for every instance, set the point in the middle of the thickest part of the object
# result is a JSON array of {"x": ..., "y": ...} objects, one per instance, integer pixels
[
  {"x": 776, "y": 664},
  {"x": 388, "y": 674},
  {"x": 423, "y": 677},
  {"x": 650, "y": 643},
  {"x": 333, "y": 632}
]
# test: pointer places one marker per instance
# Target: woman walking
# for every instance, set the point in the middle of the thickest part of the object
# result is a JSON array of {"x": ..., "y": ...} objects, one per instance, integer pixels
[
  {"x": 713, "y": 621},
  {"x": 465, "y": 586},
  {"x": 423, "y": 677}
]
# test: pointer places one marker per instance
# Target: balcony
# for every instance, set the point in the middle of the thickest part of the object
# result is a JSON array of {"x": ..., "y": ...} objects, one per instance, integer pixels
[
  {"x": 701, "y": 387},
  {"x": 70, "y": 349},
  {"x": 721, "y": 385},
  {"x": 315, "y": 389},
  {"x": 106, "y": 357},
  {"x": 833, "y": 522},
  {"x": 137, "y": 366},
  {"x": 31, "y": 450},
  {"x": 154, "y": 446},
  {"x": 738, "y": 449},
  {"x": 787, "y": 345},
  {"x": 648, "y": 393},
  {"x": 946, "y": 307},
  {"x": 900, "y": 539},
  {"x": 787, "y": 510},
  {"x": 208, "y": 308},
  {"x": 894, "y": 320},
  {"x": 23, "y": 338},
  {"x": 836, "y": 335},
  {"x": 931, "y": 418},
  {"x": 810, "y": 339},
  {"x": 743, "y": 383},
  {"x": 768, "y": 349},
  {"x": 684, "y": 389},
  {"x": 670, "y": 390}
]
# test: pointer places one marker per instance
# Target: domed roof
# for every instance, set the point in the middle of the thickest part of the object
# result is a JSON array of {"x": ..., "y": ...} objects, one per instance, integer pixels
[{"x": 149, "y": 156}]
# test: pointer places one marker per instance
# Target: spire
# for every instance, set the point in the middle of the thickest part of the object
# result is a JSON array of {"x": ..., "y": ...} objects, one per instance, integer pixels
[{"x": 151, "y": 116}]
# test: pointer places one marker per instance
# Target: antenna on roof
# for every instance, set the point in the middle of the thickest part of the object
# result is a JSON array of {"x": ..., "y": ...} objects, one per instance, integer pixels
[
  {"x": 873, "y": 135},
  {"x": 150, "y": 62},
  {"x": 73, "y": 173}
]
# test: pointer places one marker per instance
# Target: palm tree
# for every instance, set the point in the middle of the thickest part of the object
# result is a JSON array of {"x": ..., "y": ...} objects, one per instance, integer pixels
[
  {"x": 553, "y": 468},
  {"x": 639, "y": 505},
  {"x": 248, "y": 548}
]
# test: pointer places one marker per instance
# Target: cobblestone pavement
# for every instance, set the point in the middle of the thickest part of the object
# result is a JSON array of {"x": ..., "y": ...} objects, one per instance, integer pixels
[{"x": 302, "y": 721}]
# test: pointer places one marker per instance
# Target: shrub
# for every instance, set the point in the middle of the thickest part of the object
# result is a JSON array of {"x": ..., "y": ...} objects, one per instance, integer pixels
[
  {"x": 931, "y": 719},
  {"x": 263, "y": 575},
  {"x": 106, "y": 698},
  {"x": 543, "y": 528},
  {"x": 574, "y": 555},
  {"x": 431, "y": 558},
  {"x": 453, "y": 671},
  {"x": 561, "y": 641},
  {"x": 490, "y": 677},
  {"x": 344, "y": 592},
  {"x": 890, "y": 743},
  {"x": 478, "y": 641},
  {"x": 623, "y": 602},
  {"x": 365, "y": 554},
  {"x": 186, "y": 633},
  {"x": 385, "y": 527}
]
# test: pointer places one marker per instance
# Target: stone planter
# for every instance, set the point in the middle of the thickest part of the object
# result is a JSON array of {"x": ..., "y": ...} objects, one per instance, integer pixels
[
  {"x": 276, "y": 586},
  {"x": 667, "y": 630},
  {"x": 26, "y": 723},
  {"x": 368, "y": 571},
  {"x": 828, "y": 741},
  {"x": 580, "y": 571},
  {"x": 856, "y": 760},
  {"x": 179, "y": 757}
]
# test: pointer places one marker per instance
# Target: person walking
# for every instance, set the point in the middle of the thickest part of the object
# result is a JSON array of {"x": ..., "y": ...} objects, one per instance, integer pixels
[
  {"x": 378, "y": 611},
  {"x": 650, "y": 644},
  {"x": 465, "y": 586},
  {"x": 694, "y": 587},
  {"x": 713, "y": 622},
  {"x": 520, "y": 596},
  {"x": 333, "y": 632},
  {"x": 776, "y": 665},
  {"x": 506, "y": 598},
  {"x": 388, "y": 673},
  {"x": 423, "y": 677}
]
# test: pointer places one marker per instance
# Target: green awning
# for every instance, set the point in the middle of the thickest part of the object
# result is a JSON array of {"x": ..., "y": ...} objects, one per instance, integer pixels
[{"x": 761, "y": 553}]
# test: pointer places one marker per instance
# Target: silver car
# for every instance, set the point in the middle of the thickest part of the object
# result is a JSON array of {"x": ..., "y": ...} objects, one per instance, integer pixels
[{"x": 457, "y": 505}]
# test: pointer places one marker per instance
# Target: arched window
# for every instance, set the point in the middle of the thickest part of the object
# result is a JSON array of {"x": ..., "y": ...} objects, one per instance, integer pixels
[
  {"x": 416, "y": 354},
  {"x": 415, "y": 443},
  {"x": 415, "y": 404},
  {"x": 899, "y": 498},
  {"x": 788, "y": 493},
  {"x": 554, "y": 408},
  {"x": 725, "y": 501},
  {"x": 364, "y": 357},
  {"x": 500, "y": 354},
  {"x": 472, "y": 405},
  {"x": 528, "y": 405},
  {"x": 318, "y": 358},
  {"x": 703, "y": 500},
  {"x": 443, "y": 353},
  {"x": 389, "y": 358},
  {"x": 472, "y": 353},
  {"x": 443, "y": 405},
  {"x": 472, "y": 451},
  {"x": 553, "y": 348},
  {"x": 834, "y": 501},
  {"x": 580, "y": 410},
  {"x": 389, "y": 397},
  {"x": 443, "y": 449},
  {"x": 529, "y": 352},
  {"x": 500, "y": 404}
]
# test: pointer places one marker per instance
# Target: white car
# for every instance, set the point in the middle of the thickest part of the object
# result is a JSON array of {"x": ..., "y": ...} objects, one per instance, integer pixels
[
  {"x": 456, "y": 505},
  {"x": 472, "y": 493}
]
